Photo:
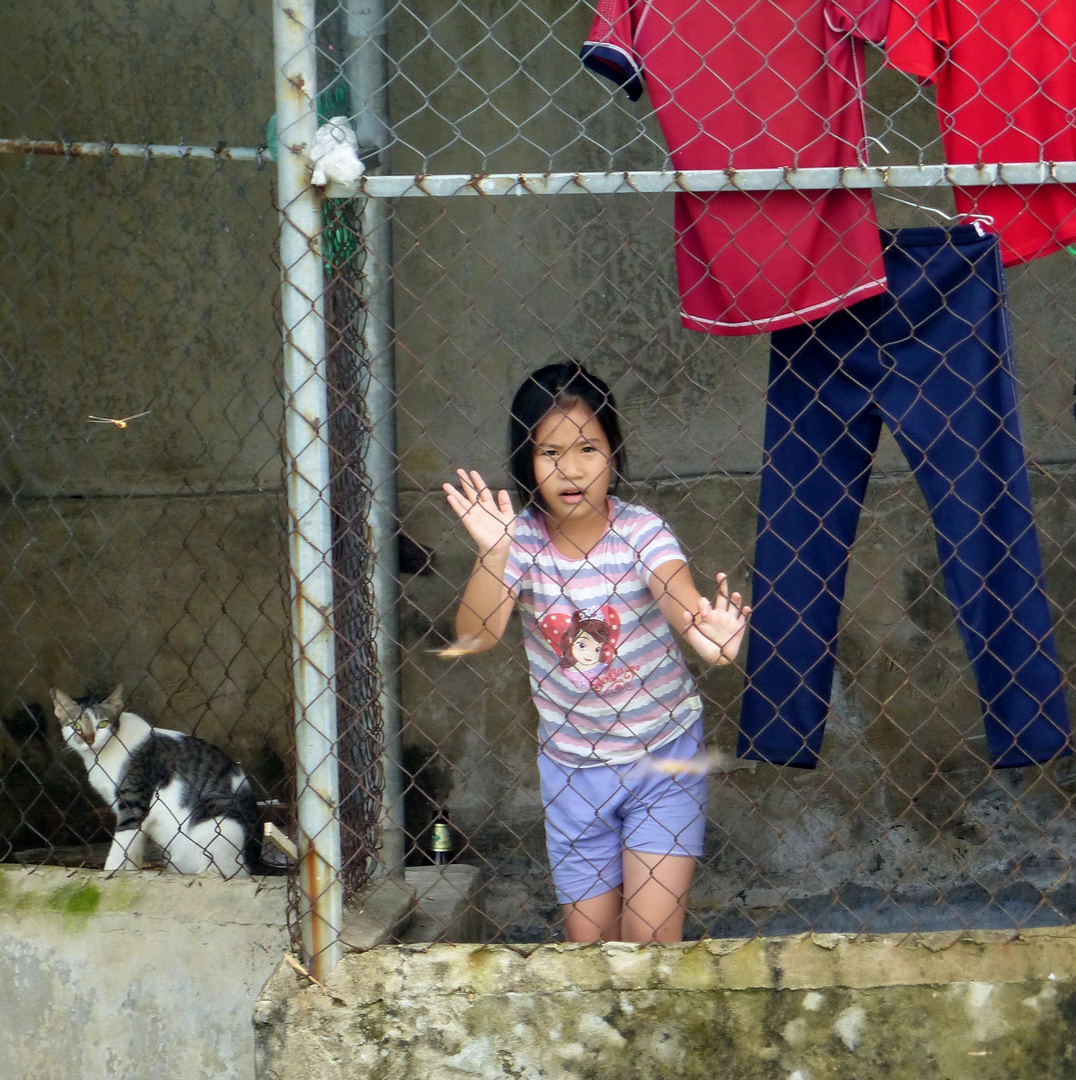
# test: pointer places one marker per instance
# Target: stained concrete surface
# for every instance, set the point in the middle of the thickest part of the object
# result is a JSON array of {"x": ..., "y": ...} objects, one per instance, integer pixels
[
  {"x": 133, "y": 976},
  {"x": 960, "y": 1006},
  {"x": 144, "y": 974}
]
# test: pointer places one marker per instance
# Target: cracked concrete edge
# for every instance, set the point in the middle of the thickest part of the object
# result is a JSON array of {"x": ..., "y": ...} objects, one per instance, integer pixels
[{"x": 806, "y": 962}]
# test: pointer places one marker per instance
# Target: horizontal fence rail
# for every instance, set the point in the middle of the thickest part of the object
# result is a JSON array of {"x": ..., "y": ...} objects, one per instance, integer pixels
[{"x": 653, "y": 182}]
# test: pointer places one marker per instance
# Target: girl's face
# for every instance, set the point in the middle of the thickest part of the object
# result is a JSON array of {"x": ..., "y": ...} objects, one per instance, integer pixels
[
  {"x": 572, "y": 464},
  {"x": 586, "y": 650}
]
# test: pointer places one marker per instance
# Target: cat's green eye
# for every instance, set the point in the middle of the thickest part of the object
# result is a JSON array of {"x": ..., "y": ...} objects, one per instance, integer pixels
[{"x": 103, "y": 723}]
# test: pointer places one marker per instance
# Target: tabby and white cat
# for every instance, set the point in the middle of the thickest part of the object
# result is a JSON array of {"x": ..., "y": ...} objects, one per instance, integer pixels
[{"x": 183, "y": 793}]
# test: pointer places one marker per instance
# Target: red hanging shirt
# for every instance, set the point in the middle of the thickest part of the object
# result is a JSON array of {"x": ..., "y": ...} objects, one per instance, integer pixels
[
  {"x": 1006, "y": 91},
  {"x": 756, "y": 84}
]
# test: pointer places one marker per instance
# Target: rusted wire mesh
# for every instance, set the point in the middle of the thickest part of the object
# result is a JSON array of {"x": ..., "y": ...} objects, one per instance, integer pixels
[{"x": 358, "y": 681}]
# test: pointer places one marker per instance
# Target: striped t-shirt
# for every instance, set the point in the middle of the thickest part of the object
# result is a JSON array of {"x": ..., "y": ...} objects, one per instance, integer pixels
[{"x": 607, "y": 676}]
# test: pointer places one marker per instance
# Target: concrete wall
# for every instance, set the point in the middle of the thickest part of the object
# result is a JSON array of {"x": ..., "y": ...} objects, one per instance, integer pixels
[
  {"x": 152, "y": 555},
  {"x": 133, "y": 976},
  {"x": 976, "y": 1006}
]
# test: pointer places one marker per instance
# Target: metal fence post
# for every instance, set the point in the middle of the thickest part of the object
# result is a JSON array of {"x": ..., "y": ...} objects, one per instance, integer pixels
[{"x": 307, "y": 456}]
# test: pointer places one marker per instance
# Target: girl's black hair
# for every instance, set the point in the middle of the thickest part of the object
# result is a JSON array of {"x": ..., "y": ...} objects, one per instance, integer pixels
[{"x": 558, "y": 386}]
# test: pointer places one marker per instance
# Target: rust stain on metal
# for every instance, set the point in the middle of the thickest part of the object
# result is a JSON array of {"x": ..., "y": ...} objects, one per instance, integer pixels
[
  {"x": 476, "y": 180},
  {"x": 57, "y": 148},
  {"x": 47, "y": 148},
  {"x": 311, "y": 885}
]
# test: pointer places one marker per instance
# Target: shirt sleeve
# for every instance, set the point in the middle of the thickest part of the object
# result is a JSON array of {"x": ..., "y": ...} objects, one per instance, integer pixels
[
  {"x": 656, "y": 544},
  {"x": 917, "y": 38},
  {"x": 866, "y": 19},
  {"x": 609, "y": 49},
  {"x": 515, "y": 570}
]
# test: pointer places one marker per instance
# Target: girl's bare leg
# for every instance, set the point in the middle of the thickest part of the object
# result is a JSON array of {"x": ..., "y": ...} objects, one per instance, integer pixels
[
  {"x": 655, "y": 896},
  {"x": 596, "y": 919}
]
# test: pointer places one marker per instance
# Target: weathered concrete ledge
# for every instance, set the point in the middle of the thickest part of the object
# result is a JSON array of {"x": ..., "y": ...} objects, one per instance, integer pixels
[
  {"x": 133, "y": 975},
  {"x": 956, "y": 1005}
]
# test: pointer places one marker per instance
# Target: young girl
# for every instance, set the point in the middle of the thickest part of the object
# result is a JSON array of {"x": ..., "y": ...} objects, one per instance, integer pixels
[{"x": 623, "y": 835}]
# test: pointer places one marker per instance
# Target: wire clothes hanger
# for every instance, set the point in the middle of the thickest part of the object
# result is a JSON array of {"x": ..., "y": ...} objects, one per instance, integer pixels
[{"x": 980, "y": 221}]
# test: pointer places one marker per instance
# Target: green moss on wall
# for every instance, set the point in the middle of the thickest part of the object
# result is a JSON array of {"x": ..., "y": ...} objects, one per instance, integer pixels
[{"x": 78, "y": 898}]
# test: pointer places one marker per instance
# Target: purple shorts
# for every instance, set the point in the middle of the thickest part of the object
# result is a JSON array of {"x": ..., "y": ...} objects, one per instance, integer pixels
[{"x": 593, "y": 814}]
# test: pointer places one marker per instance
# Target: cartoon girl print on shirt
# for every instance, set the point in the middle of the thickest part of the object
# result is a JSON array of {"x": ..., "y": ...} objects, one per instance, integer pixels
[
  {"x": 585, "y": 642},
  {"x": 586, "y": 648}
]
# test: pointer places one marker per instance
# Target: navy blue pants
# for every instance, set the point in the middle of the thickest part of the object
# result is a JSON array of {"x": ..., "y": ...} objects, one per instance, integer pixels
[{"x": 932, "y": 360}]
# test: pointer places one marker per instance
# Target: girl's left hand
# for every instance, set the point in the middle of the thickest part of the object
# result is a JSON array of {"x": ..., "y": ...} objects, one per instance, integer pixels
[{"x": 716, "y": 630}]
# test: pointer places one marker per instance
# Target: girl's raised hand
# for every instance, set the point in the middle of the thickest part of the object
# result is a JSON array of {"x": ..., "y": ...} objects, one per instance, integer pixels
[
  {"x": 489, "y": 519},
  {"x": 716, "y": 630}
]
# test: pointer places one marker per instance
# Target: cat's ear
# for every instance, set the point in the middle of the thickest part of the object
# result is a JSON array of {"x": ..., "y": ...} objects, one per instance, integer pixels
[
  {"x": 66, "y": 710},
  {"x": 112, "y": 706}
]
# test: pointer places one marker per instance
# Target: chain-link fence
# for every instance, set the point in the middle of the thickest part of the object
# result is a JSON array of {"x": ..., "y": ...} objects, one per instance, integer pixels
[
  {"x": 138, "y": 285},
  {"x": 846, "y": 438}
]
